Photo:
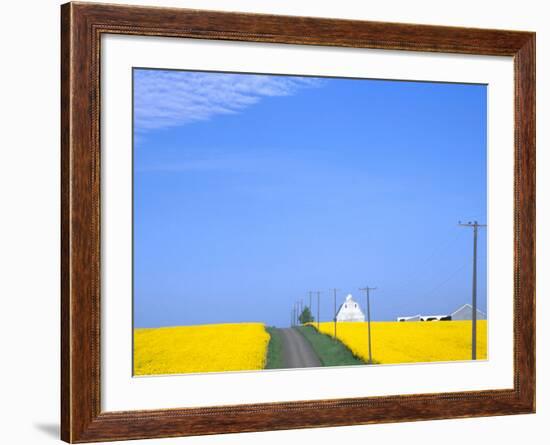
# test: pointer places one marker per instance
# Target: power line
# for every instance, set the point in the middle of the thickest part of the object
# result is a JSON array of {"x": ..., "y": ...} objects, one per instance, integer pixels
[
  {"x": 438, "y": 249},
  {"x": 445, "y": 281}
]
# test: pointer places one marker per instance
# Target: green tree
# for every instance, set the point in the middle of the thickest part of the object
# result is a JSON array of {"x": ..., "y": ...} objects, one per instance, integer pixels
[{"x": 305, "y": 316}]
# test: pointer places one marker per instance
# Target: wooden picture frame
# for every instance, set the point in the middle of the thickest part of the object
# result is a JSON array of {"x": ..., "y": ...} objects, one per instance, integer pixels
[{"x": 82, "y": 25}]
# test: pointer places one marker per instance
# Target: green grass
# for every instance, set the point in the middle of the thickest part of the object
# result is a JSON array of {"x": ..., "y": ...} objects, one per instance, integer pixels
[
  {"x": 330, "y": 352},
  {"x": 274, "y": 359}
]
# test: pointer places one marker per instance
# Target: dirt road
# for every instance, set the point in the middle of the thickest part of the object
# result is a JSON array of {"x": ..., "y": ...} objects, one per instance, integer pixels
[{"x": 297, "y": 352}]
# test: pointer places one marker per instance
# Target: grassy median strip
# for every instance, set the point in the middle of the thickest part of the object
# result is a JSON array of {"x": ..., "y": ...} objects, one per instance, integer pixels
[
  {"x": 330, "y": 352},
  {"x": 274, "y": 359}
]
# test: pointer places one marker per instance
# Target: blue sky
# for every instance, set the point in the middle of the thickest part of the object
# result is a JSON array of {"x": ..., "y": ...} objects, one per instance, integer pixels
[{"x": 251, "y": 190}]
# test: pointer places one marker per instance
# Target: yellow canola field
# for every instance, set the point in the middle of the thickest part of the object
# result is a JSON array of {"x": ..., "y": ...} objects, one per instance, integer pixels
[
  {"x": 203, "y": 348},
  {"x": 406, "y": 342}
]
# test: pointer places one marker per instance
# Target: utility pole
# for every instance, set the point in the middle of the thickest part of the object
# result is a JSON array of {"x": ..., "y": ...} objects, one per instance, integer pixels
[
  {"x": 476, "y": 227},
  {"x": 334, "y": 292},
  {"x": 318, "y": 308},
  {"x": 367, "y": 290}
]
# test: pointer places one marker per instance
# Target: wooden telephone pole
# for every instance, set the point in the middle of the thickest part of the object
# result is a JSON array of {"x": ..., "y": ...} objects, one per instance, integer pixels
[
  {"x": 334, "y": 291},
  {"x": 367, "y": 291},
  {"x": 476, "y": 227},
  {"x": 318, "y": 308}
]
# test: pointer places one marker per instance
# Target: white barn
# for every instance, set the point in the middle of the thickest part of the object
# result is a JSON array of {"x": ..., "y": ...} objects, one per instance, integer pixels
[
  {"x": 411, "y": 318},
  {"x": 440, "y": 317},
  {"x": 444, "y": 317},
  {"x": 465, "y": 312},
  {"x": 350, "y": 311}
]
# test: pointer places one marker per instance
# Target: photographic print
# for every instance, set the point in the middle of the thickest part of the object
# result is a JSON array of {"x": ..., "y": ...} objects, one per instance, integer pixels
[
  {"x": 264, "y": 210},
  {"x": 284, "y": 221}
]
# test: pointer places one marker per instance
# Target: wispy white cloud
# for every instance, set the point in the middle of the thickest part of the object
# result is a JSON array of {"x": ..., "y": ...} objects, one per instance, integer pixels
[{"x": 174, "y": 98}]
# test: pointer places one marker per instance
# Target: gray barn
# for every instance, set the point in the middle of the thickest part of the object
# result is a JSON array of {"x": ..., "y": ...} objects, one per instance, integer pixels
[{"x": 465, "y": 313}]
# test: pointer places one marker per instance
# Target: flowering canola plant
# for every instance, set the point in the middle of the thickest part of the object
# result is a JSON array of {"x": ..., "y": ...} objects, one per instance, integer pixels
[
  {"x": 203, "y": 348},
  {"x": 409, "y": 342}
]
